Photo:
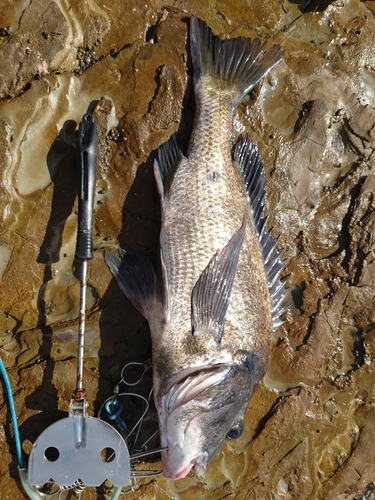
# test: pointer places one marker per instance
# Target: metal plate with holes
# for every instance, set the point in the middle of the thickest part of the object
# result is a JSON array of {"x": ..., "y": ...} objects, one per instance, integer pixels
[{"x": 102, "y": 455}]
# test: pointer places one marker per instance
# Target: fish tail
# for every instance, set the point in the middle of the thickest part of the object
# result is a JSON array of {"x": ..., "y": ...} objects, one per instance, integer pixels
[{"x": 239, "y": 63}]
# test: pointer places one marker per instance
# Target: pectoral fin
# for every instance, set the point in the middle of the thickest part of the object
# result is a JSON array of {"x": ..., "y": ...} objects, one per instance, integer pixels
[
  {"x": 211, "y": 294},
  {"x": 135, "y": 276}
]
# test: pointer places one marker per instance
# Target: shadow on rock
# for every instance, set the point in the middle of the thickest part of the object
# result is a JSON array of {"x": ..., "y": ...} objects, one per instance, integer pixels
[
  {"x": 312, "y": 5},
  {"x": 63, "y": 168},
  {"x": 125, "y": 334}
]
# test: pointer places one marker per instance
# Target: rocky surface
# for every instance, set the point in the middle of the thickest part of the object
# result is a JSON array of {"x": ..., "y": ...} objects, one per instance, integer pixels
[{"x": 309, "y": 427}]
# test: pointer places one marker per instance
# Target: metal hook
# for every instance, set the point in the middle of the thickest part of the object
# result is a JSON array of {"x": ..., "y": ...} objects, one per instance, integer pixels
[{"x": 147, "y": 366}]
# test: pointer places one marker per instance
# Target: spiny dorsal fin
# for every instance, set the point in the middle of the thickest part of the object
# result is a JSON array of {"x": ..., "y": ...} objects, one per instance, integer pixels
[
  {"x": 169, "y": 157},
  {"x": 211, "y": 294},
  {"x": 135, "y": 276},
  {"x": 240, "y": 62},
  {"x": 250, "y": 167}
]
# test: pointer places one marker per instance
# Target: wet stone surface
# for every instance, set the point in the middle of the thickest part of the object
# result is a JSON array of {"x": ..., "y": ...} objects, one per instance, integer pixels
[{"x": 309, "y": 426}]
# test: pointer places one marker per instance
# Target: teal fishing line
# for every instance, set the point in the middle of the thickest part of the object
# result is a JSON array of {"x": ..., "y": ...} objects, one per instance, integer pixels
[{"x": 13, "y": 413}]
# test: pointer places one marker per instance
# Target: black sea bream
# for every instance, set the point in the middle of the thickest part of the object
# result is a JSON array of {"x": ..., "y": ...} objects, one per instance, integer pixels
[{"x": 211, "y": 304}]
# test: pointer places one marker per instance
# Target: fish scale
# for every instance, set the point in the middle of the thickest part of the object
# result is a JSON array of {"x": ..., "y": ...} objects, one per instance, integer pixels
[
  {"x": 210, "y": 308},
  {"x": 201, "y": 216}
]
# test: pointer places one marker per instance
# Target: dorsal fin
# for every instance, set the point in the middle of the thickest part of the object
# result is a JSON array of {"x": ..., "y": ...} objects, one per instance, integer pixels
[
  {"x": 250, "y": 167},
  {"x": 211, "y": 294},
  {"x": 169, "y": 157}
]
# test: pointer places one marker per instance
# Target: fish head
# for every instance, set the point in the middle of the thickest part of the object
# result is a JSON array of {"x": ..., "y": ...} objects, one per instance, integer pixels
[{"x": 200, "y": 409}]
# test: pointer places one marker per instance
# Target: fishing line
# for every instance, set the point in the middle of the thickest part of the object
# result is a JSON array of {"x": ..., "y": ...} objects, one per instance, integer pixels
[{"x": 13, "y": 413}]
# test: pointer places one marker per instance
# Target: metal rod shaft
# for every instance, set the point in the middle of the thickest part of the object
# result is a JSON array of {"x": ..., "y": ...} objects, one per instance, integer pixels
[
  {"x": 88, "y": 159},
  {"x": 82, "y": 324}
]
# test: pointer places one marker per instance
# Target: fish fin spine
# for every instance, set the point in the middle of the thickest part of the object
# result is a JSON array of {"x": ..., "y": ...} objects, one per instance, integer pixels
[{"x": 251, "y": 169}]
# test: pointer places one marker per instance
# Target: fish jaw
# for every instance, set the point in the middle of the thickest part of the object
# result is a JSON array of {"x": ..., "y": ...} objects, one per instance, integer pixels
[
  {"x": 179, "y": 421},
  {"x": 180, "y": 457},
  {"x": 196, "y": 413},
  {"x": 180, "y": 475},
  {"x": 199, "y": 469}
]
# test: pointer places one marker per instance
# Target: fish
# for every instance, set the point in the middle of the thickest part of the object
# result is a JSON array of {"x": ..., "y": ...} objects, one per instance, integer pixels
[{"x": 215, "y": 295}]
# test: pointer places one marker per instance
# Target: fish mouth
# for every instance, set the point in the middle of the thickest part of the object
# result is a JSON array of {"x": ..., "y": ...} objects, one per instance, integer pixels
[
  {"x": 199, "y": 469},
  {"x": 190, "y": 384},
  {"x": 182, "y": 436},
  {"x": 171, "y": 474}
]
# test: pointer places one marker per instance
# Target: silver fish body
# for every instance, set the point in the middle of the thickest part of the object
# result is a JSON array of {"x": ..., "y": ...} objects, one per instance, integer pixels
[{"x": 211, "y": 306}]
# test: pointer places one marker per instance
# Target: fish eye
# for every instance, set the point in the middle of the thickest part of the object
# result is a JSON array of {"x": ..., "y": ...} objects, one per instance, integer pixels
[{"x": 236, "y": 431}]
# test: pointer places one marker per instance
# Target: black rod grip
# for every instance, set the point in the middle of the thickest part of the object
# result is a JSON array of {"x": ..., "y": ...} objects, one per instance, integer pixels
[{"x": 88, "y": 159}]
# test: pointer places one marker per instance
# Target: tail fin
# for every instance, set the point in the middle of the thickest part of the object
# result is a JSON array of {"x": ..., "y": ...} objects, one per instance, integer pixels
[{"x": 240, "y": 62}]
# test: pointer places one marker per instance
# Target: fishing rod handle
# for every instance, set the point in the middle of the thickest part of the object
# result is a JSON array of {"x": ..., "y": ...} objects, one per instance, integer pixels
[{"x": 88, "y": 160}]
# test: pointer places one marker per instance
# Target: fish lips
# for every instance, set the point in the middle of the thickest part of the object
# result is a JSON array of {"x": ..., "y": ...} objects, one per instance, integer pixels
[{"x": 171, "y": 472}]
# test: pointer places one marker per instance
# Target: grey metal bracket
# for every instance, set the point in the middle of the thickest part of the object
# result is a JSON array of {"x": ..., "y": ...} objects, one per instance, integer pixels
[{"x": 79, "y": 448}]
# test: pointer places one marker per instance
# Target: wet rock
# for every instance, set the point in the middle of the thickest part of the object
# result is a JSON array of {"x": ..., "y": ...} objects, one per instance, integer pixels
[
  {"x": 33, "y": 55},
  {"x": 358, "y": 471}
]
